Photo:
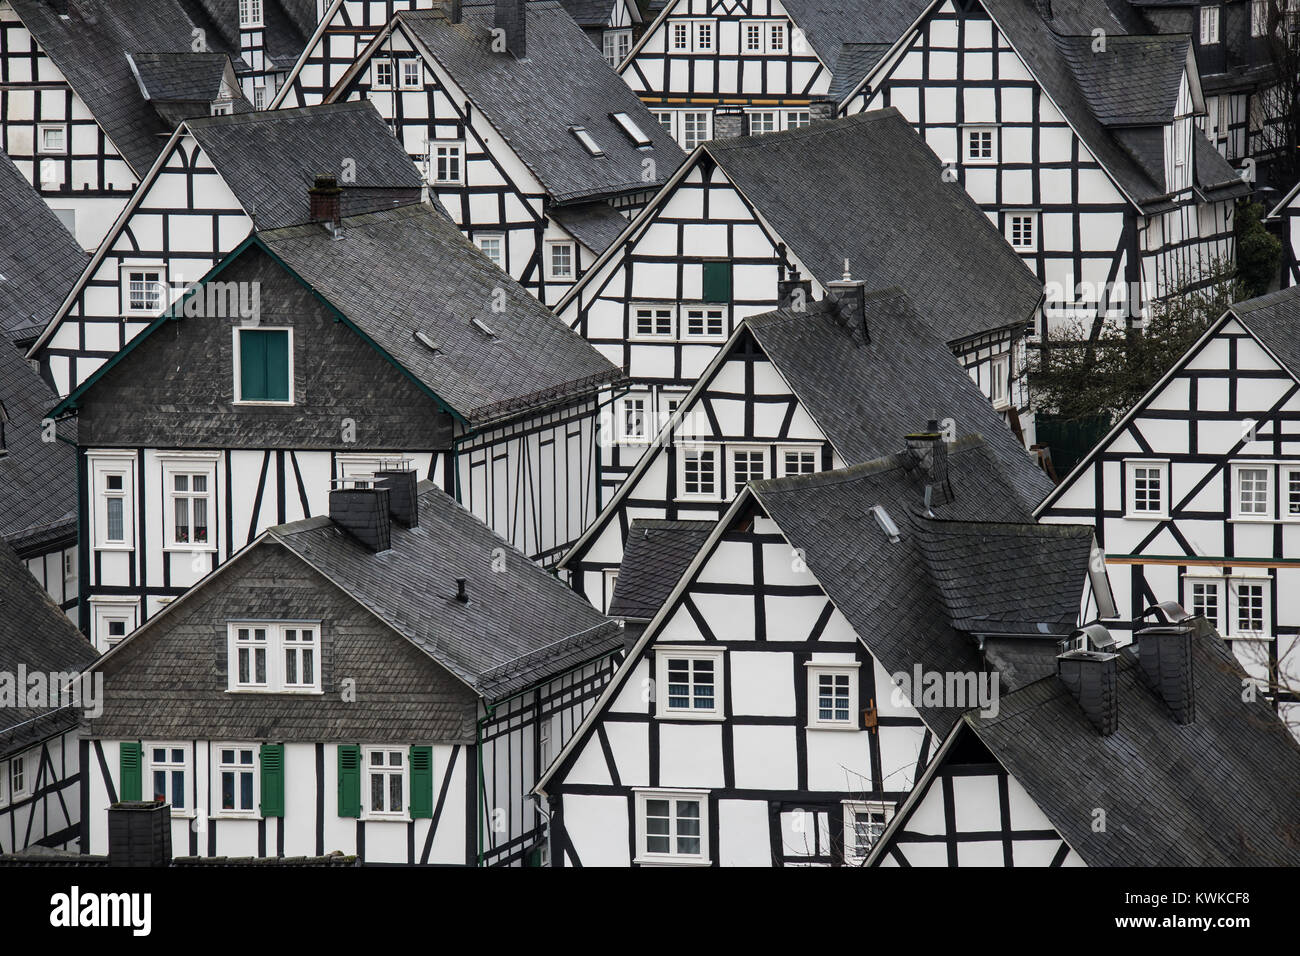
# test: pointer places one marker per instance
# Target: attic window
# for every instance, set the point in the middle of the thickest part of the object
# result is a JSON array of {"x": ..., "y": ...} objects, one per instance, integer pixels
[
  {"x": 426, "y": 341},
  {"x": 629, "y": 127},
  {"x": 886, "y": 523},
  {"x": 250, "y": 13},
  {"x": 479, "y": 324},
  {"x": 585, "y": 139}
]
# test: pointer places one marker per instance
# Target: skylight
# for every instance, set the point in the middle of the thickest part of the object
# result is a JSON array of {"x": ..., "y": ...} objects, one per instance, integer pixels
[
  {"x": 633, "y": 131},
  {"x": 479, "y": 324},
  {"x": 886, "y": 523},
  {"x": 585, "y": 139},
  {"x": 426, "y": 341}
]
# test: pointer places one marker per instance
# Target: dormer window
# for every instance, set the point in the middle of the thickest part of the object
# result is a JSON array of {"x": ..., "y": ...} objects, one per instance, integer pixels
[
  {"x": 274, "y": 657},
  {"x": 1209, "y": 26},
  {"x": 223, "y": 108},
  {"x": 250, "y": 13}
]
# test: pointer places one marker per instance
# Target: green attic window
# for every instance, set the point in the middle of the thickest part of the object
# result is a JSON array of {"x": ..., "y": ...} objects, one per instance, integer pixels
[{"x": 264, "y": 366}]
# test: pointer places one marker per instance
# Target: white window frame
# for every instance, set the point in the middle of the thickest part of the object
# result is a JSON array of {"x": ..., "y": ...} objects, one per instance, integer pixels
[
  {"x": 387, "y": 771},
  {"x": 403, "y": 73},
  {"x": 683, "y": 450},
  {"x": 456, "y": 147},
  {"x": 377, "y": 65},
  {"x": 237, "y": 356},
  {"x": 684, "y": 322},
  {"x": 615, "y": 45},
  {"x": 222, "y": 768},
  {"x": 852, "y": 856},
  {"x": 276, "y": 649},
  {"x": 733, "y": 452},
  {"x": 22, "y": 765},
  {"x": 626, "y": 437},
  {"x": 1237, "y": 470},
  {"x": 500, "y": 238},
  {"x": 145, "y": 269},
  {"x": 206, "y": 466},
  {"x": 634, "y": 132},
  {"x": 703, "y": 35},
  {"x": 1234, "y": 594},
  {"x": 554, "y": 245},
  {"x": 666, "y": 653},
  {"x": 672, "y": 858},
  {"x": 655, "y": 309},
  {"x": 771, "y": 121},
  {"x": 168, "y": 765},
  {"x": 1000, "y": 379},
  {"x": 105, "y": 610},
  {"x": 815, "y": 671},
  {"x": 250, "y": 14},
  {"x": 1130, "y": 465},
  {"x": 782, "y": 466},
  {"x": 968, "y": 157},
  {"x": 777, "y": 28},
  {"x": 1209, "y": 25},
  {"x": 610, "y": 581},
  {"x": 1286, "y": 475},
  {"x": 798, "y": 119},
  {"x": 103, "y": 466},
  {"x": 1017, "y": 217},
  {"x": 44, "y": 128},
  {"x": 1191, "y": 582},
  {"x": 689, "y": 143}
]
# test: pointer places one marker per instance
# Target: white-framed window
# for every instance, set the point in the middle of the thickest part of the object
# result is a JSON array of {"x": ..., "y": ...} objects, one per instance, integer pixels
[
  {"x": 754, "y": 37},
  {"x": 20, "y": 779},
  {"x": 672, "y": 826},
  {"x": 383, "y": 74},
  {"x": 797, "y": 119},
  {"x": 1249, "y": 607},
  {"x": 263, "y": 365},
  {"x": 704, "y": 322},
  {"x": 259, "y": 96},
  {"x": 1148, "y": 488},
  {"x": 631, "y": 129},
  {"x": 560, "y": 258},
  {"x": 765, "y": 36},
  {"x": 168, "y": 772},
  {"x": 545, "y": 748},
  {"x": 250, "y": 13},
  {"x": 52, "y": 138},
  {"x": 616, "y": 45},
  {"x": 696, "y": 127},
  {"x": 669, "y": 401},
  {"x": 832, "y": 696},
  {"x": 1000, "y": 379},
  {"x": 1259, "y": 18},
  {"x": 222, "y": 108},
  {"x": 1204, "y": 596},
  {"x": 1252, "y": 491},
  {"x": 980, "y": 145},
  {"x": 681, "y": 36},
  {"x": 762, "y": 121},
  {"x": 1022, "y": 231},
  {"x": 385, "y": 794},
  {"x": 189, "y": 514},
  {"x": 113, "y": 490},
  {"x": 653, "y": 322},
  {"x": 143, "y": 288},
  {"x": 493, "y": 246},
  {"x": 1289, "y": 488},
  {"x": 360, "y": 470},
  {"x": 112, "y": 619},
  {"x": 447, "y": 163},
  {"x": 237, "y": 780},
  {"x": 798, "y": 460},
  {"x": 1209, "y": 25},
  {"x": 688, "y": 683},
  {"x": 864, "y": 823},
  {"x": 704, "y": 35},
  {"x": 412, "y": 75},
  {"x": 776, "y": 37},
  {"x": 273, "y": 657},
  {"x": 665, "y": 119},
  {"x": 698, "y": 471},
  {"x": 634, "y": 417},
  {"x": 748, "y": 463},
  {"x": 4, "y": 784}
]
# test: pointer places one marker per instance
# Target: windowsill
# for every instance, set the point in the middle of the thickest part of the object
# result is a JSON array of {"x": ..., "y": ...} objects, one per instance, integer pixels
[
  {"x": 384, "y": 818},
  {"x": 236, "y": 815},
  {"x": 702, "y": 339},
  {"x": 272, "y": 693},
  {"x": 698, "y": 499},
  {"x": 669, "y": 861},
  {"x": 980, "y": 162},
  {"x": 446, "y": 182},
  {"x": 840, "y": 728},
  {"x": 1001, "y": 405},
  {"x": 686, "y": 715},
  {"x": 182, "y": 814},
  {"x": 257, "y": 404},
  {"x": 1146, "y": 517},
  {"x": 1261, "y": 638},
  {"x": 114, "y": 547},
  {"x": 653, "y": 339},
  {"x": 1243, "y": 519},
  {"x": 189, "y": 548}
]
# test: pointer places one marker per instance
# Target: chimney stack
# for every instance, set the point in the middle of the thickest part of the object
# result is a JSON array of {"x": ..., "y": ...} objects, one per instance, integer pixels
[
  {"x": 822, "y": 108},
  {"x": 140, "y": 833},
  {"x": 510, "y": 18},
  {"x": 788, "y": 288},
  {"x": 365, "y": 514},
  {"x": 326, "y": 201},
  {"x": 1091, "y": 677},
  {"x": 403, "y": 499},
  {"x": 929, "y": 452},
  {"x": 462, "y": 595},
  {"x": 1165, "y": 657},
  {"x": 851, "y": 296},
  {"x": 451, "y": 9},
  {"x": 730, "y": 122}
]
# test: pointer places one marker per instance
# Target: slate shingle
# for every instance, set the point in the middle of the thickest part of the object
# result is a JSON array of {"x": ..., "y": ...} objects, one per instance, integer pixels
[{"x": 655, "y": 557}]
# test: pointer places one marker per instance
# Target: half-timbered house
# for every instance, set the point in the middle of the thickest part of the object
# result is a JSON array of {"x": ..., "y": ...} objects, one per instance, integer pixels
[
  {"x": 1195, "y": 492},
  {"x": 1137, "y": 758},
  {"x": 764, "y": 716},
  {"x": 743, "y": 215},
  {"x": 385, "y": 680},
  {"x": 1286, "y": 216},
  {"x": 612, "y": 25},
  {"x": 532, "y": 143},
  {"x": 1077, "y": 139},
  {"x": 770, "y": 59},
  {"x": 792, "y": 392},
  {"x": 321, "y": 352},
  {"x": 217, "y": 178},
  {"x": 41, "y": 655}
]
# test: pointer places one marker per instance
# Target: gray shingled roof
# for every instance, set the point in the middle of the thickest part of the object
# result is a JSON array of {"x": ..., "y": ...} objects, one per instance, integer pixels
[
  {"x": 979, "y": 567},
  {"x": 595, "y": 224},
  {"x": 831, "y": 24},
  {"x": 1275, "y": 318},
  {"x": 593, "y": 13},
  {"x": 39, "y": 259},
  {"x": 840, "y": 190},
  {"x": 286, "y": 26},
  {"x": 655, "y": 557},
  {"x": 1134, "y": 82},
  {"x": 519, "y": 625},
  {"x": 38, "y": 479},
  {"x": 37, "y": 635},
  {"x": 270, "y": 159},
  {"x": 1220, "y": 791},
  {"x": 410, "y": 269},
  {"x": 866, "y": 396},
  {"x": 181, "y": 76},
  {"x": 563, "y": 82}
]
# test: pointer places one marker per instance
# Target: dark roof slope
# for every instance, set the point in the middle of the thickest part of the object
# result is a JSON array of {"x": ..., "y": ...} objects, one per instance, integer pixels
[
  {"x": 39, "y": 259},
  {"x": 1220, "y": 791},
  {"x": 519, "y": 625},
  {"x": 410, "y": 269},
  {"x": 1134, "y": 82},
  {"x": 595, "y": 224},
  {"x": 563, "y": 82},
  {"x": 655, "y": 557},
  {"x": 1275, "y": 318},
  {"x": 839, "y": 190},
  {"x": 866, "y": 396},
  {"x": 831, "y": 24},
  {"x": 979, "y": 567},
  {"x": 37, "y": 635},
  {"x": 270, "y": 159},
  {"x": 38, "y": 479}
]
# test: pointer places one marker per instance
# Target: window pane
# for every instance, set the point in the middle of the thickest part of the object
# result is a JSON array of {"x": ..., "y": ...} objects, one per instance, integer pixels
[
  {"x": 178, "y": 789},
  {"x": 115, "y": 529},
  {"x": 377, "y": 792},
  {"x": 308, "y": 666},
  {"x": 227, "y": 790},
  {"x": 246, "y": 791},
  {"x": 395, "y": 792},
  {"x": 259, "y": 659}
]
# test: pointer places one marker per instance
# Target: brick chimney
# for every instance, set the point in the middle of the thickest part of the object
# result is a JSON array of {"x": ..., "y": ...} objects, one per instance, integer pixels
[
  {"x": 730, "y": 122},
  {"x": 509, "y": 17},
  {"x": 451, "y": 10},
  {"x": 140, "y": 833},
  {"x": 822, "y": 108},
  {"x": 1165, "y": 658},
  {"x": 365, "y": 514},
  {"x": 1091, "y": 677},
  {"x": 326, "y": 201},
  {"x": 403, "y": 499}
]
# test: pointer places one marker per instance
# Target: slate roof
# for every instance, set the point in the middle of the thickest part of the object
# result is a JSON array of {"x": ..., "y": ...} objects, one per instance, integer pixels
[
  {"x": 286, "y": 26},
  {"x": 855, "y": 62},
  {"x": 885, "y": 589},
  {"x": 410, "y": 269},
  {"x": 37, "y": 635},
  {"x": 595, "y": 224},
  {"x": 841, "y": 190},
  {"x": 519, "y": 625},
  {"x": 655, "y": 557},
  {"x": 269, "y": 159},
  {"x": 1275, "y": 318},
  {"x": 1220, "y": 791},
  {"x": 1134, "y": 82},
  {"x": 180, "y": 76},
  {"x": 595, "y": 13},
  {"x": 563, "y": 82},
  {"x": 39, "y": 259},
  {"x": 977, "y": 567},
  {"x": 831, "y": 24},
  {"x": 38, "y": 479}
]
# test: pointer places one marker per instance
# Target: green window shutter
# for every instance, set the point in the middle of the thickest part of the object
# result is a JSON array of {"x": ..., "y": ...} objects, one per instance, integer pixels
[
  {"x": 264, "y": 365},
  {"x": 277, "y": 365},
  {"x": 717, "y": 282},
  {"x": 421, "y": 782},
  {"x": 349, "y": 780},
  {"x": 130, "y": 758},
  {"x": 271, "y": 758}
]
